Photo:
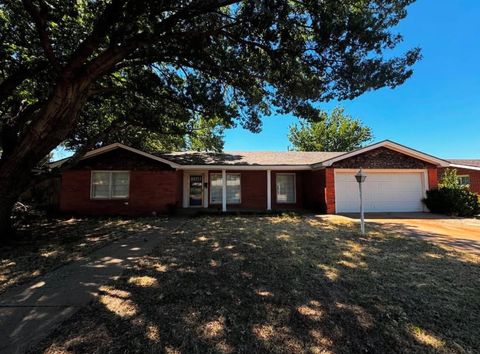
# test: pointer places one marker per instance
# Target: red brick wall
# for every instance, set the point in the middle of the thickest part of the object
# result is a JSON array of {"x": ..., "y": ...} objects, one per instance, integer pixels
[
  {"x": 254, "y": 189},
  {"x": 314, "y": 190},
  {"x": 474, "y": 178},
  {"x": 298, "y": 192},
  {"x": 180, "y": 189},
  {"x": 432, "y": 178},
  {"x": 330, "y": 190},
  {"x": 150, "y": 191}
]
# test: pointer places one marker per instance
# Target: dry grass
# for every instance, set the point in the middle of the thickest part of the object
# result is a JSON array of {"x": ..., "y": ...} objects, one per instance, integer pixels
[
  {"x": 284, "y": 285},
  {"x": 46, "y": 244}
]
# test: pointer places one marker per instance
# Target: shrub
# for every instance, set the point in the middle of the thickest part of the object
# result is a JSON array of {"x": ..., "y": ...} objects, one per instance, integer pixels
[
  {"x": 452, "y": 201},
  {"x": 451, "y": 197},
  {"x": 450, "y": 179}
]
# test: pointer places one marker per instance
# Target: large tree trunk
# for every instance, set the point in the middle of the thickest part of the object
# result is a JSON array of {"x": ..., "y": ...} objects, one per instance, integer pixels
[
  {"x": 52, "y": 125},
  {"x": 8, "y": 199}
]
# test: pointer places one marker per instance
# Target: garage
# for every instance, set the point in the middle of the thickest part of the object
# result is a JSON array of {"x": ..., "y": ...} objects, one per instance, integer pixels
[{"x": 383, "y": 191}]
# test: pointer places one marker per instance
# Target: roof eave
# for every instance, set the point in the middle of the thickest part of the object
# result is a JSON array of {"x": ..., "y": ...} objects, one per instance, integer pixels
[
  {"x": 390, "y": 145},
  {"x": 247, "y": 167},
  {"x": 466, "y": 167}
]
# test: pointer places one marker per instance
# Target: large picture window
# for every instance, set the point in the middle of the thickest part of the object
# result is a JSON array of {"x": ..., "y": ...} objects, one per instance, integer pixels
[
  {"x": 286, "y": 188},
  {"x": 110, "y": 184},
  {"x": 233, "y": 188}
]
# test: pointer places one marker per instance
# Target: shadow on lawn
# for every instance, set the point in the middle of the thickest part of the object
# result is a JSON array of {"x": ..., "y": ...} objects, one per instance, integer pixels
[
  {"x": 284, "y": 284},
  {"x": 45, "y": 244}
]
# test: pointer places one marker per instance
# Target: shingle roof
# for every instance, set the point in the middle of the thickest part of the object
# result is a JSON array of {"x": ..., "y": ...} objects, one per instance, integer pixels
[
  {"x": 249, "y": 158},
  {"x": 473, "y": 163}
]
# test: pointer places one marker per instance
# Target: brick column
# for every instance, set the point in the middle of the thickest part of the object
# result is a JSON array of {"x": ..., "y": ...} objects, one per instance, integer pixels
[
  {"x": 432, "y": 178},
  {"x": 330, "y": 190}
]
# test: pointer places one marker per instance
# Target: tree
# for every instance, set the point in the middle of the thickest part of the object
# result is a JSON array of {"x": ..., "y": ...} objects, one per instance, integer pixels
[
  {"x": 199, "y": 135},
  {"x": 143, "y": 122},
  {"x": 450, "y": 180},
  {"x": 335, "y": 132},
  {"x": 176, "y": 61},
  {"x": 451, "y": 197}
]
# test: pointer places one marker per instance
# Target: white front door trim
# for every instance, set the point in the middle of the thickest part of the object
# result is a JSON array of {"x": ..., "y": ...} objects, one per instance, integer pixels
[{"x": 186, "y": 188}]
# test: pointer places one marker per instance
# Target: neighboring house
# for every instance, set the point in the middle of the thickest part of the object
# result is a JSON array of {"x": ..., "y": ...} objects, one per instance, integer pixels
[{"x": 117, "y": 179}]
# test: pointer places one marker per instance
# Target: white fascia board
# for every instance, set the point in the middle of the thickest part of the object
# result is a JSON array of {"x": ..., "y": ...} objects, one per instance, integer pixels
[
  {"x": 390, "y": 145},
  {"x": 114, "y": 146},
  {"x": 466, "y": 167},
  {"x": 246, "y": 167}
]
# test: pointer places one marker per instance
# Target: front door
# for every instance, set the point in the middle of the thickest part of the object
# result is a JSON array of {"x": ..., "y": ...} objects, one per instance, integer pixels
[{"x": 196, "y": 191}]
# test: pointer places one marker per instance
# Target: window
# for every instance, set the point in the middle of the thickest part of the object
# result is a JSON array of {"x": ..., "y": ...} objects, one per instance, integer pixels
[
  {"x": 464, "y": 180},
  {"x": 286, "y": 188},
  {"x": 215, "y": 188},
  {"x": 233, "y": 188},
  {"x": 110, "y": 184}
]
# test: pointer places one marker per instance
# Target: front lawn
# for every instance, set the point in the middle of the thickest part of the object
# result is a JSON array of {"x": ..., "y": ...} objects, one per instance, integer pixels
[
  {"x": 284, "y": 284},
  {"x": 44, "y": 244}
]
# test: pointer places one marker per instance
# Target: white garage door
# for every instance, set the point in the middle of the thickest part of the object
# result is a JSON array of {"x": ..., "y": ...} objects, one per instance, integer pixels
[{"x": 382, "y": 192}]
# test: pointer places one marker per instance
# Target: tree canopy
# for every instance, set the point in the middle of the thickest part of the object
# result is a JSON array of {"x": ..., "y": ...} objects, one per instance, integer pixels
[
  {"x": 161, "y": 66},
  {"x": 330, "y": 132}
]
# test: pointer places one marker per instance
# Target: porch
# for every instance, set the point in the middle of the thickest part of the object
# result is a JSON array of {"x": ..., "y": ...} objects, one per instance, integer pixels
[{"x": 251, "y": 191}]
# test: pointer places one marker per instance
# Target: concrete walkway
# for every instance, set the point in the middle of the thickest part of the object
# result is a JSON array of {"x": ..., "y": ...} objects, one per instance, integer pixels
[{"x": 30, "y": 312}]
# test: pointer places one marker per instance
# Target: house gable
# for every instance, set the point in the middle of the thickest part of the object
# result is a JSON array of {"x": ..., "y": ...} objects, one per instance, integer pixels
[
  {"x": 390, "y": 146},
  {"x": 121, "y": 159},
  {"x": 382, "y": 158}
]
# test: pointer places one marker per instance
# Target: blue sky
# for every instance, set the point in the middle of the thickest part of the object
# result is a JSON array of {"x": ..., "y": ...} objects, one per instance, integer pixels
[{"x": 437, "y": 110}]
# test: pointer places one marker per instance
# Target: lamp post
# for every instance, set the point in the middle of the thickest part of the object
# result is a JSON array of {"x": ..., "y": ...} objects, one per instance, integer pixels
[{"x": 360, "y": 177}]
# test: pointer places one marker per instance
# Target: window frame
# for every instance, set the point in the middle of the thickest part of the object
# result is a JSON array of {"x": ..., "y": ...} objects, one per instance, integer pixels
[
  {"x": 110, "y": 173},
  {"x": 294, "y": 187},
  {"x": 239, "y": 174},
  {"x": 463, "y": 176}
]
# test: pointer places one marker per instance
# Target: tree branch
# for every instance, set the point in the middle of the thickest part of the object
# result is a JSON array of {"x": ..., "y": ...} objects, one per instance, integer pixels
[
  {"x": 104, "y": 23},
  {"x": 39, "y": 16},
  {"x": 90, "y": 144},
  {"x": 12, "y": 127},
  {"x": 43, "y": 174},
  {"x": 104, "y": 90},
  {"x": 8, "y": 85}
]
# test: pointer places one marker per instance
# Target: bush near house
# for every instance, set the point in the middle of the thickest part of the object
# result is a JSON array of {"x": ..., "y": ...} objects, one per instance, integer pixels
[
  {"x": 460, "y": 202},
  {"x": 452, "y": 198}
]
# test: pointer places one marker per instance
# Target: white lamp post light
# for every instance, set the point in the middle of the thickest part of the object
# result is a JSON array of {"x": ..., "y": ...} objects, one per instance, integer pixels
[{"x": 360, "y": 177}]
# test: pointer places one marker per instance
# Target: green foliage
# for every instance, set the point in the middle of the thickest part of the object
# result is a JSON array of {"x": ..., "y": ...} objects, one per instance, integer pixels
[
  {"x": 150, "y": 122},
  {"x": 450, "y": 179},
  {"x": 453, "y": 201},
  {"x": 335, "y": 132},
  {"x": 451, "y": 197},
  {"x": 162, "y": 66}
]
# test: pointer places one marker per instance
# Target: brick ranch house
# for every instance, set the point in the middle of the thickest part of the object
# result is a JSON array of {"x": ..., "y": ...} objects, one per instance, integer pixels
[{"x": 117, "y": 179}]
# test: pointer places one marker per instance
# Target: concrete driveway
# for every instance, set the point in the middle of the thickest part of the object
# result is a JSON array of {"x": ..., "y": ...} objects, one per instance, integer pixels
[{"x": 460, "y": 233}]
